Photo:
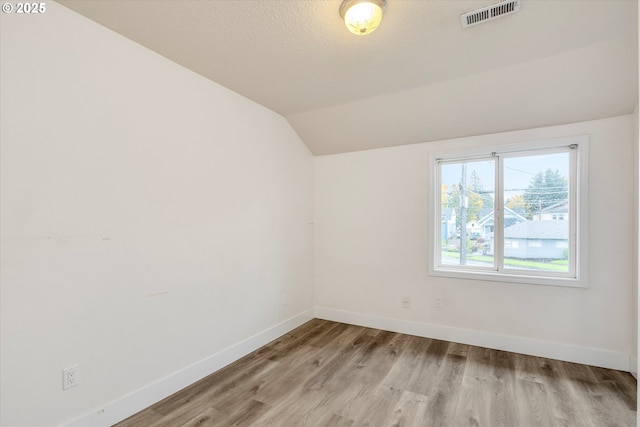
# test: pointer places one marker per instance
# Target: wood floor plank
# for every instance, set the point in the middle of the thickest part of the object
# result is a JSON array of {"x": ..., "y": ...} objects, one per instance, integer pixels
[
  {"x": 563, "y": 399},
  {"x": 473, "y": 405},
  {"x": 209, "y": 417},
  {"x": 412, "y": 358},
  {"x": 147, "y": 417},
  {"x": 428, "y": 366},
  {"x": 339, "y": 365},
  {"x": 598, "y": 396},
  {"x": 291, "y": 374},
  {"x": 333, "y": 374},
  {"x": 368, "y": 397},
  {"x": 305, "y": 408},
  {"x": 442, "y": 397},
  {"x": 534, "y": 403},
  {"x": 409, "y": 411},
  {"x": 369, "y": 408},
  {"x": 503, "y": 408},
  {"x": 619, "y": 384},
  {"x": 229, "y": 383}
]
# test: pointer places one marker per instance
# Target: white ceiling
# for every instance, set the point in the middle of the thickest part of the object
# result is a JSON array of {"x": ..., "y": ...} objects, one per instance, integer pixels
[{"x": 419, "y": 77}]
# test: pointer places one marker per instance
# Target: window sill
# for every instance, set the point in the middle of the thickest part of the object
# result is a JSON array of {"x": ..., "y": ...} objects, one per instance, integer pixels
[{"x": 492, "y": 276}]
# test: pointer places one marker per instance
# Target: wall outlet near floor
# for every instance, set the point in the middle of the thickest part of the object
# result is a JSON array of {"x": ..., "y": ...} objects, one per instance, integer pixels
[
  {"x": 406, "y": 302},
  {"x": 70, "y": 377},
  {"x": 439, "y": 302}
]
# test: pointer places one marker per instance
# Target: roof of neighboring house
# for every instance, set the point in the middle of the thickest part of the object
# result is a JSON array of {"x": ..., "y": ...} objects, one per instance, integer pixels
[
  {"x": 486, "y": 215},
  {"x": 519, "y": 212},
  {"x": 560, "y": 207},
  {"x": 555, "y": 230}
]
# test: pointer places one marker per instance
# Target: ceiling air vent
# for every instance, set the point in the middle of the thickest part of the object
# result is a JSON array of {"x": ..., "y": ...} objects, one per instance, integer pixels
[{"x": 490, "y": 12}]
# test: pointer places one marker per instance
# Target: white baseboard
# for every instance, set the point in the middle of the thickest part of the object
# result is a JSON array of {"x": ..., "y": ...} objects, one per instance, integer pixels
[
  {"x": 552, "y": 350},
  {"x": 138, "y": 400},
  {"x": 633, "y": 366}
]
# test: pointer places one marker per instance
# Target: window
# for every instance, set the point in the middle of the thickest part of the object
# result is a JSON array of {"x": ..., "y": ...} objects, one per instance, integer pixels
[{"x": 513, "y": 213}]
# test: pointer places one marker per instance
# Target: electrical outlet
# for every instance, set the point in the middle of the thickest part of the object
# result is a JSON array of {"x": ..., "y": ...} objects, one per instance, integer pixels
[
  {"x": 406, "y": 302},
  {"x": 439, "y": 302},
  {"x": 70, "y": 377}
]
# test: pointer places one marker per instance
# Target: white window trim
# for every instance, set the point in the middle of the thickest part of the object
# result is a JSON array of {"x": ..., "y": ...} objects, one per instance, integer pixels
[{"x": 579, "y": 231}]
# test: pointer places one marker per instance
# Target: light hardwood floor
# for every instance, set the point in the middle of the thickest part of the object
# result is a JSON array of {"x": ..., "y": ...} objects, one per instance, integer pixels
[{"x": 332, "y": 374}]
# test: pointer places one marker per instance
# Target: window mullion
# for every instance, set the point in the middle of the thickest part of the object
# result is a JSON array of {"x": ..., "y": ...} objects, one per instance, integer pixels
[{"x": 498, "y": 229}]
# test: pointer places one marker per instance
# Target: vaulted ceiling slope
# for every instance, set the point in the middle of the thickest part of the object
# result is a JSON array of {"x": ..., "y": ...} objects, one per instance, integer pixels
[{"x": 419, "y": 77}]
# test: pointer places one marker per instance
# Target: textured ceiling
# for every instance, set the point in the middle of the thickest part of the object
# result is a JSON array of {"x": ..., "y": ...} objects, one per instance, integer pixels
[{"x": 418, "y": 77}]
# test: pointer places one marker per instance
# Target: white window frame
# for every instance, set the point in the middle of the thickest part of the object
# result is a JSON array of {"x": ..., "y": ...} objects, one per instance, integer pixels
[{"x": 578, "y": 213}]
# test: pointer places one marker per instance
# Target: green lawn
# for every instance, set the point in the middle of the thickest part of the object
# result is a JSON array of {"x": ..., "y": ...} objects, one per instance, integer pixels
[{"x": 557, "y": 265}]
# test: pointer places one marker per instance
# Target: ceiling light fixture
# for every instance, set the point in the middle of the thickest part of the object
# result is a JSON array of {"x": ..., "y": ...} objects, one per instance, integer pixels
[{"x": 362, "y": 16}]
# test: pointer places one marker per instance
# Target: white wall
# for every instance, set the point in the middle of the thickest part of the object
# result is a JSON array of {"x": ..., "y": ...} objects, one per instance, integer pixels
[
  {"x": 151, "y": 221},
  {"x": 370, "y": 249}
]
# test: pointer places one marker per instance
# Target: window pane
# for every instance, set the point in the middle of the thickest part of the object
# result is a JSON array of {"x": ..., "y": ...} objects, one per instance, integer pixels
[
  {"x": 466, "y": 208},
  {"x": 536, "y": 212}
]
